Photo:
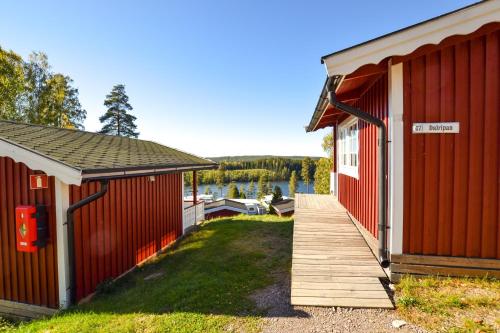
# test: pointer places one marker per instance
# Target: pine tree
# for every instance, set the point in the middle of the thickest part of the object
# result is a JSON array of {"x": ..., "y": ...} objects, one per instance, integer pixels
[
  {"x": 117, "y": 120},
  {"x": 322, "y": 176},
  {"x": 232, "y": 191},
  {"x": 242, "y": 192},
  {"x": 261, "y": 187},
  {"x": 292, "y": 185},
  {"x": 251, "y": 189},
  {"x": 306, "y": 171},
  {"x": 277, "y": 195},
  {"x": 220, "y": 178}
]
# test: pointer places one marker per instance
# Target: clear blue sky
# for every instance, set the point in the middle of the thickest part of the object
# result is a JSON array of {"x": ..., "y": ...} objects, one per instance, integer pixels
[{"x": 209, "y": 77}]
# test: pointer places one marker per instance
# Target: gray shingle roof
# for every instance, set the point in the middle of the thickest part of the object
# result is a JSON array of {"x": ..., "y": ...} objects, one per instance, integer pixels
[
  {"x": 93, "y": 152},
  {"x": 284, "y": 204},
  {"x": 225, "y": 202}
]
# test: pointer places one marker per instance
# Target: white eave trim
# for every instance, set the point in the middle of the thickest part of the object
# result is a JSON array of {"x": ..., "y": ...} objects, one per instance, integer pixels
[
  {"x": 462, "y": 22},
  {"x": 152, "y": 171},
  {"x": 37, "y": 161},
  {"x": 233, "y": 209}
]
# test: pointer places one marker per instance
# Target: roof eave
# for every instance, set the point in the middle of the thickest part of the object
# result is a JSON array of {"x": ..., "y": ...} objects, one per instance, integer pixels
[
  {"x": 90, "y": 175},
  {"x": 322, "y": 103},
  {"x": 460, "y": 22},
  {"x": 38, "y": 161}
]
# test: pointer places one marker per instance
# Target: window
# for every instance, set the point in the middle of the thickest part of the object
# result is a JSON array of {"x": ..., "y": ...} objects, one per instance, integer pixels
[{"x": 348, "y": 148}]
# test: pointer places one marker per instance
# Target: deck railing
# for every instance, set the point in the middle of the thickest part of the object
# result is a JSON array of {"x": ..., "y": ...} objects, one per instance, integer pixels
[{"x": 192, "y": 215}]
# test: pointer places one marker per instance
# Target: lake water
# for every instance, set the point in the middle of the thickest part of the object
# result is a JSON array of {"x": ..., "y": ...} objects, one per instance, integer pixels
[{"x": 301, "y": 187}]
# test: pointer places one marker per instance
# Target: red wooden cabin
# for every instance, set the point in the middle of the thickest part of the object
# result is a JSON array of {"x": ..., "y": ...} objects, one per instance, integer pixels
[
  {"x": 135, "y": 209},
  {"x": 435, "y": 86}
]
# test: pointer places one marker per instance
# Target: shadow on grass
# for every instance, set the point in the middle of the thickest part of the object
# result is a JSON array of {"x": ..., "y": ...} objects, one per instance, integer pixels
[{"x": 213, "y": 271}]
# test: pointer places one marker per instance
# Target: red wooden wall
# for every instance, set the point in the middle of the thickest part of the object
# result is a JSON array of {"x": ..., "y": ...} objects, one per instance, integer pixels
[
  {"x": 135, "y": 219},
  {"x": 25, "y": 277},
  {"x": 360, "y": 196},
  {"x": 451, "y": 199}
]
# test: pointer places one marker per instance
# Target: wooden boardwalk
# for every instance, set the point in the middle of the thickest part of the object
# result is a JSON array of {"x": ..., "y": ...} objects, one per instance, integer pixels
[{"x": 331, "y": 264}]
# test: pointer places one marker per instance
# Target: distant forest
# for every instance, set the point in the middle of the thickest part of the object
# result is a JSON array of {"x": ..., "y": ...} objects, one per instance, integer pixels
[
  {"x": 246, "y": 158},
  {"x": 251, "y": 168}
]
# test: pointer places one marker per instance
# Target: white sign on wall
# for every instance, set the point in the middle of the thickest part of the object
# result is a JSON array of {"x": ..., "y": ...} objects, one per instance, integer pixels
[{"x": 439, "y": 128}]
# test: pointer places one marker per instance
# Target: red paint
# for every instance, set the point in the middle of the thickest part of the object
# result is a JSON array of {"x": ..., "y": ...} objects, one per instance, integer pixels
[
  {"x": 26, "y": 228},
  {"x": 360, "y": 196},
  {"x": 134, "y": 220},
  {"x": 25, "y": 277},
  {"x": 39, "y": 181},
  {"x": 451, "y": 204}
]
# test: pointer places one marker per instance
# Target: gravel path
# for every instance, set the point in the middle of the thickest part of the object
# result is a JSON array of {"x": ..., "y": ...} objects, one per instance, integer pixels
[{"x": 282, "y": 317}]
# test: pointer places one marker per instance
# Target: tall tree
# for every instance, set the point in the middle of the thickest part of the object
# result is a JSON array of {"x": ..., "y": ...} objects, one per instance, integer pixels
[
  {"x": 277, "y": 195},
  {"x": 292, "y": 185},
  {"x": 37, "y": 74},
  {"x": 48, "y": 98},
  {"x": 220, "y": 178},
  {"x": 327, "y": 144},
  {"x": 232, "y": 191},
  {"x": 61, "y": 106},
  {"x": 261, "y": 187},
  {"x": 242, "y": 192},
  {"x": 322, "y": 176},
  {"x": 117, "y": 119},
  {"x": 251, "y": 189},
  {"x": 11, "y": 84},
  {"x": 306, "y": 171}
]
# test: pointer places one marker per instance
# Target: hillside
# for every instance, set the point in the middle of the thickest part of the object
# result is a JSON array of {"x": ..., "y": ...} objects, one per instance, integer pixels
[{"x": 248, "y": 158}]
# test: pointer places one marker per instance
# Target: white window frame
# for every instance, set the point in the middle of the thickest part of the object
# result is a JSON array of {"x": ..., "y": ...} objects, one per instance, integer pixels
[{"x": 348, "y": 148}]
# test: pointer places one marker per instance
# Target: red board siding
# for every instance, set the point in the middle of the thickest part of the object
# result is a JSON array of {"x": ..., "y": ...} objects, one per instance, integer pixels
[
  {"x": 135, "y": 219},
  {"x": 360, "y": 196},
  {"x": 452, "y": 180},
  {"x": 25, "y": 277}
]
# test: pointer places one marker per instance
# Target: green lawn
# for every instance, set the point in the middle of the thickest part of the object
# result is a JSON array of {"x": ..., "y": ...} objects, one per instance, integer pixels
[
  {"x": 452, "y": 305},
  {"x": 205, "y": 284}
]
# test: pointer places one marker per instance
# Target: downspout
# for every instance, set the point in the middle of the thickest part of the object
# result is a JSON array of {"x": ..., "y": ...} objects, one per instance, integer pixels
[
  {"x": 382, "y": 189},
  {"x": 71, "y": 235}
]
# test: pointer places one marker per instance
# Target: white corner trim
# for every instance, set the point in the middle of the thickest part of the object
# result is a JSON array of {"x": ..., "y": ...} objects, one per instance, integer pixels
[
  {"x": 396, "y": 154},
  {"x": 333, "y": 183},
  {"x": 61, "y": 206},
  {"x": 182, "y": 202},
  {"x": 36, "y": 161},
  {"x": 462, "y": 22}
]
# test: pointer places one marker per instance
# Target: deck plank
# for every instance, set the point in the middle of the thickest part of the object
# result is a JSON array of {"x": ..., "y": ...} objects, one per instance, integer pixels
[{"x": 332, "y": 265}]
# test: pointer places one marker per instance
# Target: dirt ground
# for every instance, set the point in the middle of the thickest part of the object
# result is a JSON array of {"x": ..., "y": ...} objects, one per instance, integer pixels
[{"x": 282, "y": 317}]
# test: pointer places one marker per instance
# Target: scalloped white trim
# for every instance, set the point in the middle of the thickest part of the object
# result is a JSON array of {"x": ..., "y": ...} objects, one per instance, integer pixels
[
  {"x": 460, "y": 23},
  {"x": 35, "y": 161}
]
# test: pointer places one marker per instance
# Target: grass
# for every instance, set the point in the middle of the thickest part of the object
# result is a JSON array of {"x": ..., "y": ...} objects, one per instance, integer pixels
[
  {"x": 205, "y": 286},
  {"x": 453, "y": 305}
]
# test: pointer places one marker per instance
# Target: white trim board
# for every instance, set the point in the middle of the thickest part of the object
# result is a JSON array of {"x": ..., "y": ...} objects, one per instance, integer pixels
[
  {"x": 396, "y": 158},
  {"x": 403, "y": 42},
  {"x": 351, "y": 171},
  {"x": 61, "y": 206}
]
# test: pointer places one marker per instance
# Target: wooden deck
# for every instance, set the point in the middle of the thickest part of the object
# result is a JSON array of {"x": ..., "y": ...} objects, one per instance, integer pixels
[{"x": 331, "y": 264}]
